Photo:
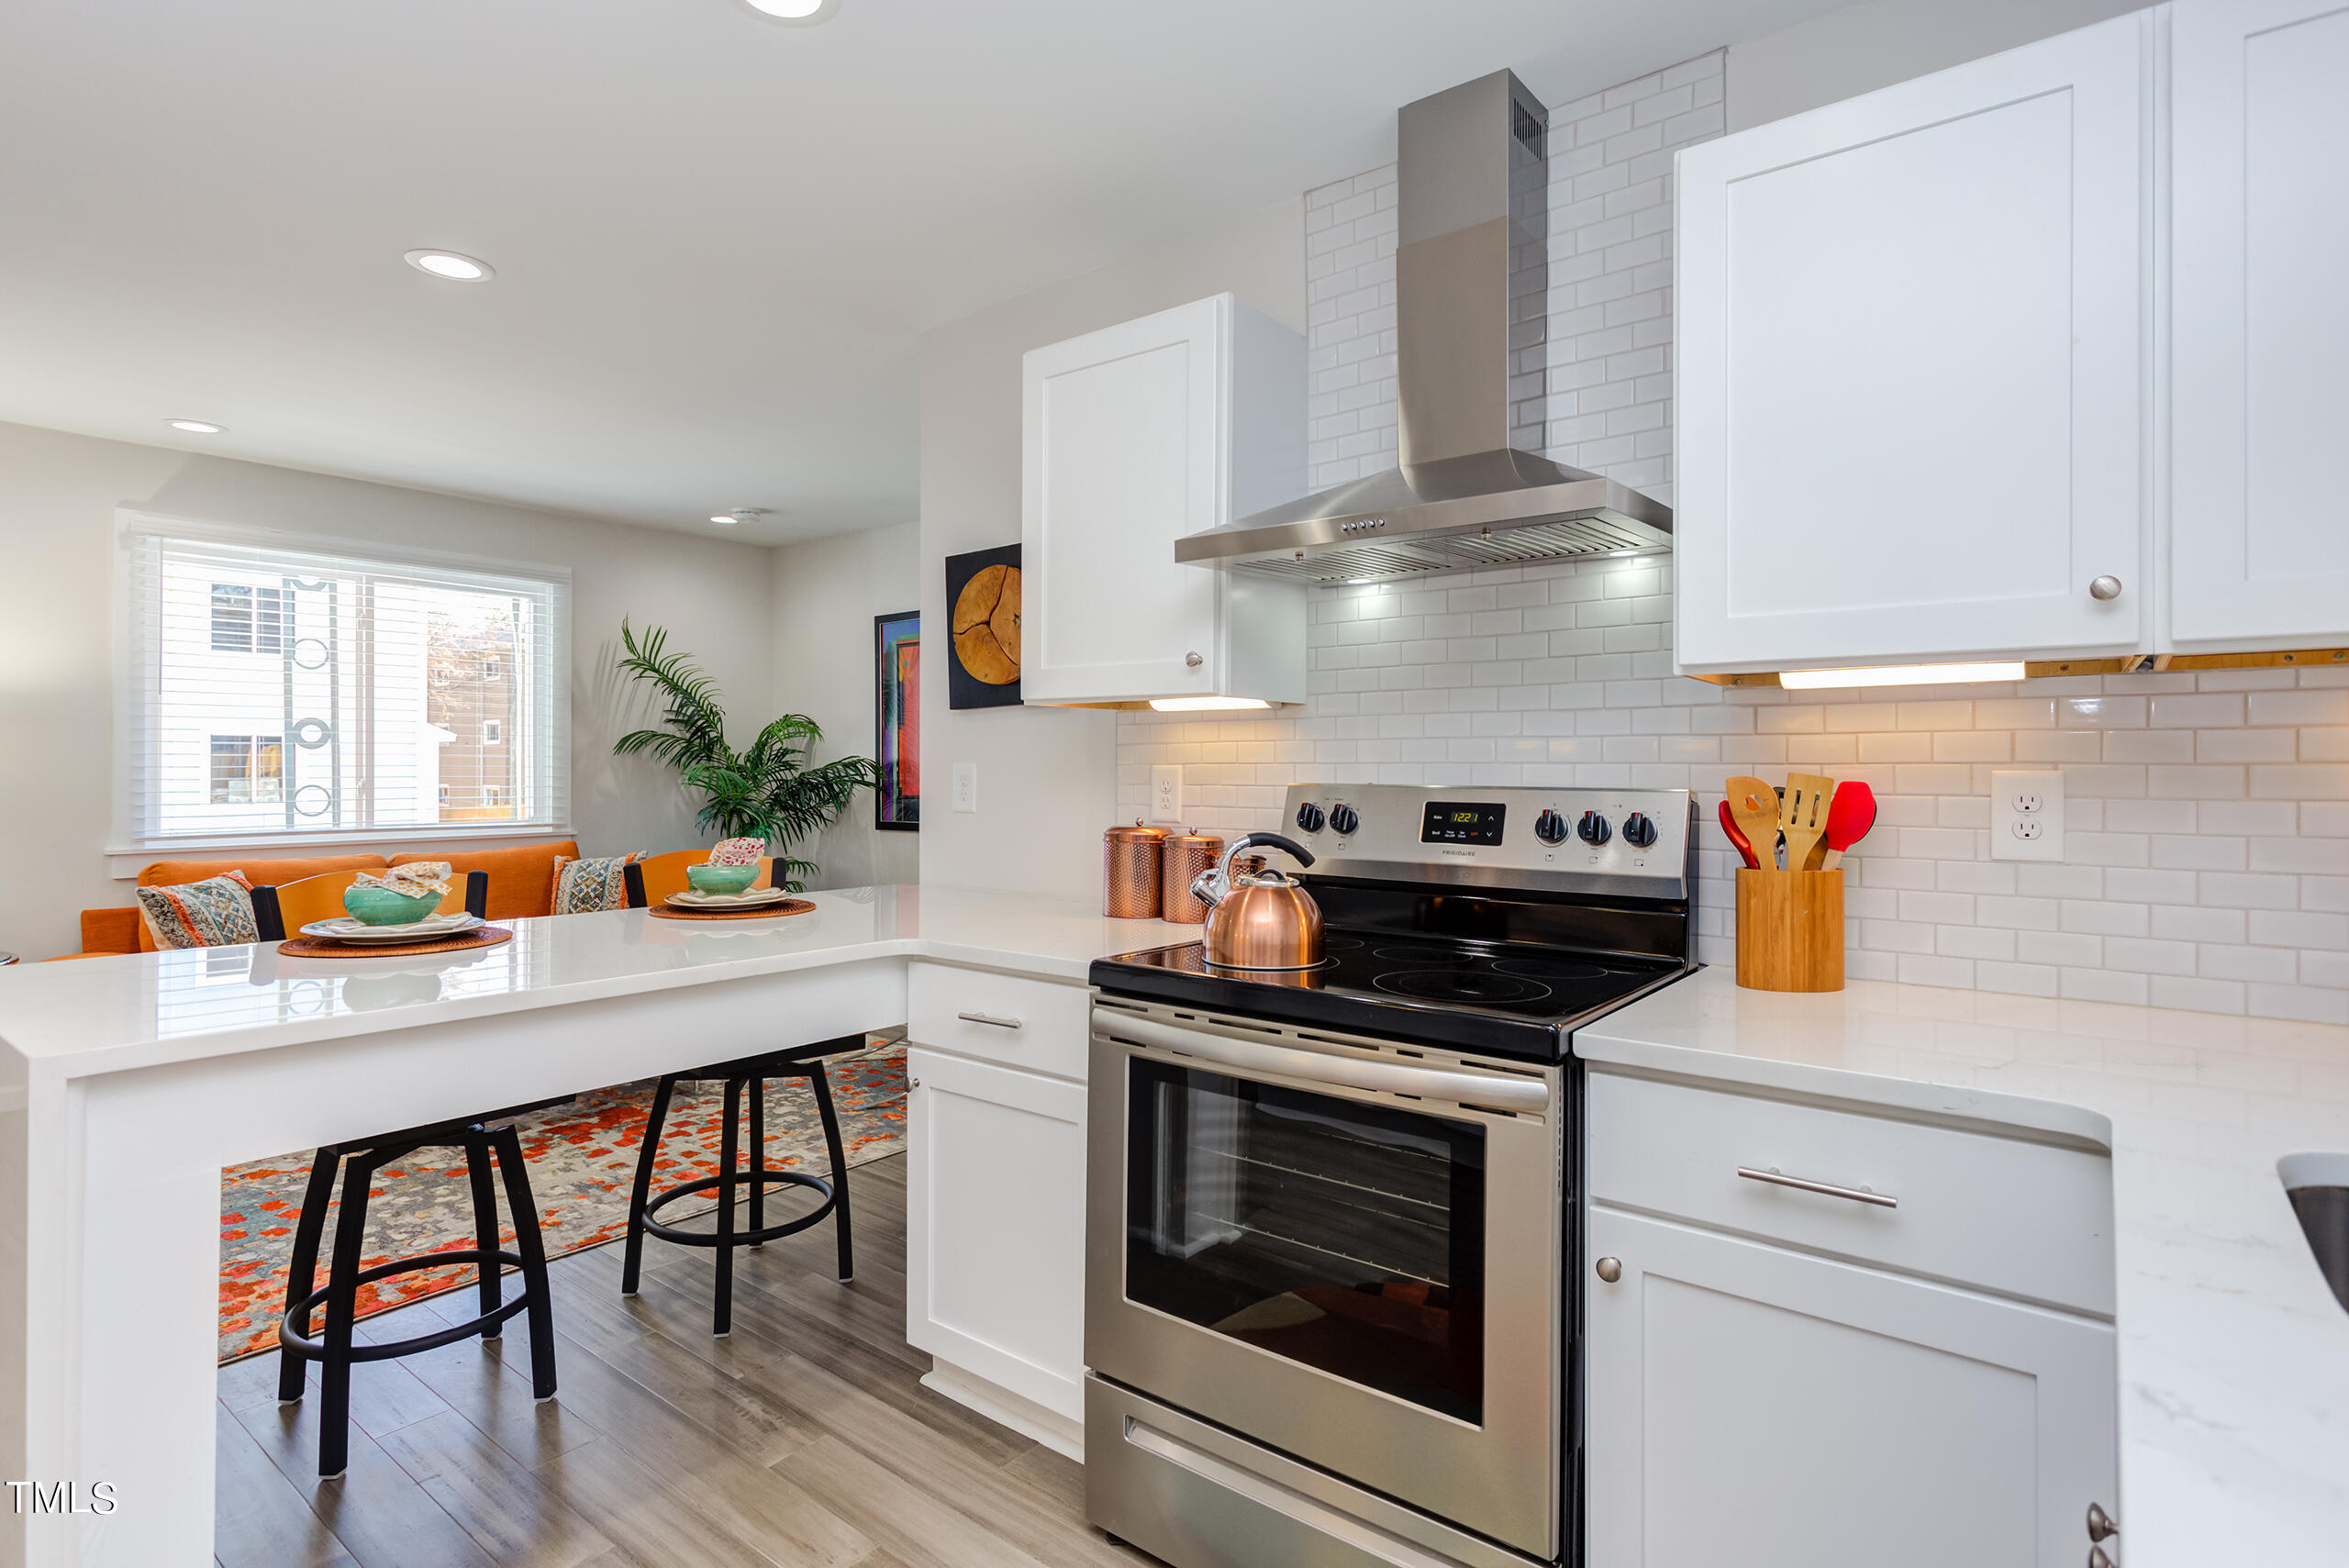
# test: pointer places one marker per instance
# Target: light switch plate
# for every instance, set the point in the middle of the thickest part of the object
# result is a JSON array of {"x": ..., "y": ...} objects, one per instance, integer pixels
[
  {"x": 2026, "y": 816},
  {"x": 1166, "y": 791},
  {"x": 966, "y": 786}
]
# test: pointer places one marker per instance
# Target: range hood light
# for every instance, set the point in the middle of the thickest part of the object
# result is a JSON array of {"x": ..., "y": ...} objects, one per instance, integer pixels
[
  {"x": 1903, "y": 676},
  {"x": 1205, "y": 705}
]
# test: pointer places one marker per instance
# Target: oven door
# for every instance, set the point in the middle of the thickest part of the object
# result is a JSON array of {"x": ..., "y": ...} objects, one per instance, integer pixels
[{"x": 1344, "y": 1249}]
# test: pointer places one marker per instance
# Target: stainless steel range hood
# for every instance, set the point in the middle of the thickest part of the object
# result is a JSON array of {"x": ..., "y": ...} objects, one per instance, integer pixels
[{"x": 1471, "y": 316}]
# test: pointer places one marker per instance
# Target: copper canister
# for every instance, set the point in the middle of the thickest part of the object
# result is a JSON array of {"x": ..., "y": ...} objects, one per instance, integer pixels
[
  {"x": 1130, "y": 860},
  {"x": 1188, "y": 855}
]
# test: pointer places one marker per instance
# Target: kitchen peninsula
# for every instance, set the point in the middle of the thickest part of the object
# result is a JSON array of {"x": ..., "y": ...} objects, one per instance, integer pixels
[{"x": 132, "y": 1081}]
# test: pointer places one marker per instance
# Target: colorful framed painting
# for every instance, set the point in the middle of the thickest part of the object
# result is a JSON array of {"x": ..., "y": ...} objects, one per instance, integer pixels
[
  {"x": 983, "y": 601},
  {"x": 896, "y": 646}
]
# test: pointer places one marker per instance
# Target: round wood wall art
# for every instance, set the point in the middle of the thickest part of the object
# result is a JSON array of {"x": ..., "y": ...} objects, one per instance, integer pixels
[{"x": 986, "y": 626}]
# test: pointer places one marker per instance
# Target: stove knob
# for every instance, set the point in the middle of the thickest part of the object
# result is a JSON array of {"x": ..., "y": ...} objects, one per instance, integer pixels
[
  {"x": 1594, "y": 828},
  {"x": 1343, "y": 819},
  {"x": 1638, "y": 830},
  {"x": 1308, "y": 817},
  {"x": 1550, "y": 827}
]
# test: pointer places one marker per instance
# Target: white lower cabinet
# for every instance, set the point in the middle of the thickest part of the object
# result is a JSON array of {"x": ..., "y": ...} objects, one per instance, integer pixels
[
  {"x": 1752, "y": 1404},
  {"x": 994, "y": 1216}
]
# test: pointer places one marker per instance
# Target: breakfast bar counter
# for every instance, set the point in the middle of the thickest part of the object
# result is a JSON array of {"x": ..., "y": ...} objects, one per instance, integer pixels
[{"x": 127, "y": 1083}]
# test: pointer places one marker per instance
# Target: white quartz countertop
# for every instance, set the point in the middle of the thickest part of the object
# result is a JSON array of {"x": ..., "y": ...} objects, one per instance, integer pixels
[
  {"x": 104, "y": 1014},
  {"x": 2234, "y": 1356}
]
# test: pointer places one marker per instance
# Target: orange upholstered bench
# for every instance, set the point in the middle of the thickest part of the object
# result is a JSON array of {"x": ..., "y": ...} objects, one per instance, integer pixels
[{"x": 522, "y": 883}]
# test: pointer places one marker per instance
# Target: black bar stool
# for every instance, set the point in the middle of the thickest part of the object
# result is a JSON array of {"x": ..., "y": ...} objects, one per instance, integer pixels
[
  {"x": 749, "y": 1073},
  {"x": 332, "y": 1349}
]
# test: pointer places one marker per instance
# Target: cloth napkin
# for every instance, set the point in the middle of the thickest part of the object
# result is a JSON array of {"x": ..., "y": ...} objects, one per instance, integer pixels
[
  {"x": 738, "y": 852},
  {"x": 412, "y": 881}
]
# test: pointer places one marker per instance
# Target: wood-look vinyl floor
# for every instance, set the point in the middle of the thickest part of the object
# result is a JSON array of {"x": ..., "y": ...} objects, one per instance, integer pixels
[{"x": 802, "y": 1440}]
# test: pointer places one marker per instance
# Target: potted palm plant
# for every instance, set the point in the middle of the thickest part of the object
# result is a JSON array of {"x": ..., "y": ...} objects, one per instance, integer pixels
[{"x": 765, "y": 791}]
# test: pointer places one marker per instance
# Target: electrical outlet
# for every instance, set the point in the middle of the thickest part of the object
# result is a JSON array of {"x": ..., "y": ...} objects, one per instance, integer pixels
[
  {"x": 2026, "y": 816},
  {"x": 966, "y": 786},
  {"x": 1166, "y": 791}
]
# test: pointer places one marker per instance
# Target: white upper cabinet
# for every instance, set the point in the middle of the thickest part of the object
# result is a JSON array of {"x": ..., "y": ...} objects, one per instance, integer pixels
[
  {"x": 1135, "y": 436},
  {"x": 2259, "y": 307},
  {"x": 1912, "y": 369}
]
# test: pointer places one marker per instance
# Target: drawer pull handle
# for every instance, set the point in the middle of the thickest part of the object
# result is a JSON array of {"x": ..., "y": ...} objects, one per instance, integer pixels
[
  {"x": 988, "y": 1018},
  {"x": 1857, "y": 1194}
]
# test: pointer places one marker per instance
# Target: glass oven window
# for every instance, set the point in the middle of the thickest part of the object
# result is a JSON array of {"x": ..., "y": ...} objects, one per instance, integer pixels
[{"x": 1345, "y": 1236}]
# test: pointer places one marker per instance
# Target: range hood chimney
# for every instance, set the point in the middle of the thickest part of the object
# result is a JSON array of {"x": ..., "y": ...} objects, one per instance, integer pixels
[{"x": 1472, "y": 315}]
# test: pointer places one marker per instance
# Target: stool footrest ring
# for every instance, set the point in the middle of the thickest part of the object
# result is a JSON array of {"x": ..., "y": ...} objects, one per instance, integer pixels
[
  {"x": 313, "y": 1348},
  {"x": 765, "y": 1177}
]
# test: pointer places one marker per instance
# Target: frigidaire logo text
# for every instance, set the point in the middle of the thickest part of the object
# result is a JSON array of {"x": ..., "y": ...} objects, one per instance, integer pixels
[{"x": 62, "y": 1496}]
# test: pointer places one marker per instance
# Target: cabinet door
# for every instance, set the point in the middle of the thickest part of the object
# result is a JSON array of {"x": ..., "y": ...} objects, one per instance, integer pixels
[
  {"x": 1750, "y": 1406},
  {"x": 995, "y": 1226},
  {"x": 2259, "y": 220},
  {"x": 1126, "y": 452},
  {"x": 1913, "y": 374}
]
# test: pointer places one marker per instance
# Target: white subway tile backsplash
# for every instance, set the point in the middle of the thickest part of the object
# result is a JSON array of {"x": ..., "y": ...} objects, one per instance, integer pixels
[{"x": 2209, "y": 812}]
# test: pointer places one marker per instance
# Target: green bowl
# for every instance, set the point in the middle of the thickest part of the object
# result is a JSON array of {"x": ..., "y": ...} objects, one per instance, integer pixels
[
  {"x": 722, "y": 879},
  {"x": 382, "y": 906}
]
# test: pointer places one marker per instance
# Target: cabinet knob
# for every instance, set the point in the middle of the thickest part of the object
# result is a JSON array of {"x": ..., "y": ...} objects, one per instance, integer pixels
[
  {"x": 1611, "y": 1268},
  {"x": 1194, "y": 660},
  {"x": 2107, "y": 588},
  {"x": 913, "y": 1082},
  {"x": 2100, "y": 1524}
]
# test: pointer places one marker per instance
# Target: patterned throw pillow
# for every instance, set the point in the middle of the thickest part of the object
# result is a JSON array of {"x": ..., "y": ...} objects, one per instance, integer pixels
[
  {"x": 214, "y": 913},
  {"x": 582, "y": 888}
]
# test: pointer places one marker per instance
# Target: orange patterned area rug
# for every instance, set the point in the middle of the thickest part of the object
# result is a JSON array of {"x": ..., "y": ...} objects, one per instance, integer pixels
[{"x": 582, "y": 1161}]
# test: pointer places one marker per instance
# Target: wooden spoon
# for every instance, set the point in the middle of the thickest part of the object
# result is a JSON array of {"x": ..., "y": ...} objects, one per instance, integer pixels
[
  {"x": 1754, "y": 805},
  {"x": 1803, "y": 817},
  {"x": 1849, "y": 817}
]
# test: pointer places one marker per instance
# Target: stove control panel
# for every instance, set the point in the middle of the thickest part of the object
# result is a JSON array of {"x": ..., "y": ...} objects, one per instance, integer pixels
[{"x": 1621, "y": 842}]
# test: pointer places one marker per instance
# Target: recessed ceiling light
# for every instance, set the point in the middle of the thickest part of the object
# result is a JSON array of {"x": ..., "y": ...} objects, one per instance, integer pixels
[
  {"x": 739, "y": 515},
  {"x": 724, "y": 519},
  {"x": 802, "y": 13},
  {"x": 198, "y": 426},
  {"x": 451, "y": 265}
]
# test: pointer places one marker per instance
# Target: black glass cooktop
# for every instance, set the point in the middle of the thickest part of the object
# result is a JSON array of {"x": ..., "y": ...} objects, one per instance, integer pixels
[{"x": 1508, "y": 998}]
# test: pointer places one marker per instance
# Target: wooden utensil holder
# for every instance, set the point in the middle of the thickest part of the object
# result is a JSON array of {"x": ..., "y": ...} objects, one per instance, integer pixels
[{"x": 1790, "y": 931}]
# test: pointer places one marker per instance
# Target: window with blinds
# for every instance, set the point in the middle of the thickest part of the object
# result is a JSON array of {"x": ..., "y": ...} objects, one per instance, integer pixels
[{"x": 280, "y": 687}]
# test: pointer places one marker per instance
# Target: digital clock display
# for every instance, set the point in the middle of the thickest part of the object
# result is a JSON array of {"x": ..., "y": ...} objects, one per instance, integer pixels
[{"x": 1461, "y": 822}]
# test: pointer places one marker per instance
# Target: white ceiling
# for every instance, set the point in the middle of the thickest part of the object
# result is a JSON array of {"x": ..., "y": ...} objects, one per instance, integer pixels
[{"x": 717, "y": 238}]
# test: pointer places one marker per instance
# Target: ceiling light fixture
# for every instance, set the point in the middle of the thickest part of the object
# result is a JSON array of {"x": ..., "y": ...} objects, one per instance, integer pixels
[
  {"x": 1903, "y": 676},
  {"x": 1205, "y": 705},
  {"x": 448, "y": 264},
  {"x": 739, "y": 515},
  {"x": 795, "y": 13},
  {"x": 198, "y": 426}
]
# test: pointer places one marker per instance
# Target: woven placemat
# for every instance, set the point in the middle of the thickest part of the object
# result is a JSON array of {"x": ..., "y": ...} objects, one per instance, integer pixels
[
  {"x": 312, "y": 946},
  {"x": 764, "y": 912}
]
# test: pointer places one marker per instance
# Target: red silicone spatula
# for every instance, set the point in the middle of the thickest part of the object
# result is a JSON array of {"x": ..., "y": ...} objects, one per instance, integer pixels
[
  {"x": 1736, "y": 835},
  {"x": 1850, "y": 814}
]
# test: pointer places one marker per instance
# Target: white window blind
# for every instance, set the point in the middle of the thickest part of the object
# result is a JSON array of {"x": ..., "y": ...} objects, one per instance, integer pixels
[{"x": 281, "y": 687}]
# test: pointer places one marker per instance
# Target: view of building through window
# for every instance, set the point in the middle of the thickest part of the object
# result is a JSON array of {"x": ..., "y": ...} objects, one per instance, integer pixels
[{"x": 315, "y": 695}]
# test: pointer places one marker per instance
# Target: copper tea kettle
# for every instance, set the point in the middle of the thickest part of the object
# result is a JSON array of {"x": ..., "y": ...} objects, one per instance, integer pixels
[{"x": 1260, "y": 919}]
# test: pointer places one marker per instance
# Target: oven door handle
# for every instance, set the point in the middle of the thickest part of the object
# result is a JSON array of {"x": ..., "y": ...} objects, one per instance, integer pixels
[{"x": 1501, "y": 1091}]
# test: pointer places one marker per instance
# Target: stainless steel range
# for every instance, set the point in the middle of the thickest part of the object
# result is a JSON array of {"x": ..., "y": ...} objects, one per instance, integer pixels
[{"x": 1330, "y": 1212}]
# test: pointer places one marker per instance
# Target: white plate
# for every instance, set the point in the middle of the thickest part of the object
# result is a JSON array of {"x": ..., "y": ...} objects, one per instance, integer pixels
[
  {"x": 343, "y": 929},
  {"x": 689, "y": 899}
]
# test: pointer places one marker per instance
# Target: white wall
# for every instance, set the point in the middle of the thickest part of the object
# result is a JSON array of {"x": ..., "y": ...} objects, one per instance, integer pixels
[
  {"x": 57, "y": 495},
  {"x": 1861, "y": 48},
  {"x": 826, "y": 592},
  {"x": 1047, "y": 776}
]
